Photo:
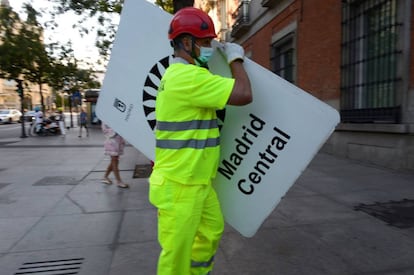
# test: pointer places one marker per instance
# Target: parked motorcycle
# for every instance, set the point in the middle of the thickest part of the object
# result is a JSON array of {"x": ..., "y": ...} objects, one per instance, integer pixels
[{"x": 49, "y": 126}]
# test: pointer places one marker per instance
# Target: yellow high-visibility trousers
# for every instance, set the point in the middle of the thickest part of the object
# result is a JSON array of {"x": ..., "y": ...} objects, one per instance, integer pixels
[{"x": 190, "y": 226}]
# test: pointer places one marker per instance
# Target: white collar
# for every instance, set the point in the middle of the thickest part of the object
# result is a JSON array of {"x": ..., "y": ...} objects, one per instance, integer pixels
[{"x": 180, "y": 60}]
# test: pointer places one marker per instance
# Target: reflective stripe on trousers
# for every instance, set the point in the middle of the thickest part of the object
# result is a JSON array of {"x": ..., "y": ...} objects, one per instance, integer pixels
[
  {"x": 202, "y": 264},
  {"x": 206, "y": 265}
]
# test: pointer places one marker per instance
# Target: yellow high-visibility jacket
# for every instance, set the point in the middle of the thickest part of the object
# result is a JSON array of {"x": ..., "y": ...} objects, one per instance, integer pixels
[{"x": 187, "y": 134}]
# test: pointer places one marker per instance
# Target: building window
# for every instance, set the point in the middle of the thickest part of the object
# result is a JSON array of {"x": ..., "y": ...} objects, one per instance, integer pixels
[
  {"x": 370, "y": 56},
  {"x": 282, "y": 58}
]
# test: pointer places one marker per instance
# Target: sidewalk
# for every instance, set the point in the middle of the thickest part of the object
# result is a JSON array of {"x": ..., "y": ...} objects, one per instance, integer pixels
[{"x": 56, "y": 215}]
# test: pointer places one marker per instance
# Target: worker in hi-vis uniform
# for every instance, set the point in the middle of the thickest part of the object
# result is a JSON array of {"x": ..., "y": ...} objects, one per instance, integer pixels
[{"x": 190, "y": 221}]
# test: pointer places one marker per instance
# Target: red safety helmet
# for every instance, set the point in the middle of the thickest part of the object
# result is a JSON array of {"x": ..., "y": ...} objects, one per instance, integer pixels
[{"x": 192, "y": 21}]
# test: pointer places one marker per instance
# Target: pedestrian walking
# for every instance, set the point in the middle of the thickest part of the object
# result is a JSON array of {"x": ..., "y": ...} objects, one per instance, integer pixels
[
  {"x": 38, "y": 121},
  {"x": 114, "y": 147},
  {"x": 83, "y": 119},
  {"x": 61, "y": 120},
  {"x": 190, "y": 221}
]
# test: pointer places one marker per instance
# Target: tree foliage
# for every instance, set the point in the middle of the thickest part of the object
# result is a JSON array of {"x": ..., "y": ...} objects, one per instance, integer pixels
[
  {"x": 24, "y": 56},
  {"x": 11, "y": 59},
  {"x": 166, "y": 5},
  {"x": 103, "y": 11},
  {"x": 172, "y": 6},
  {"x": 21, "y": 49},
  {"x": 179, "y": 4},
  {"x": 66, "y": 74}
]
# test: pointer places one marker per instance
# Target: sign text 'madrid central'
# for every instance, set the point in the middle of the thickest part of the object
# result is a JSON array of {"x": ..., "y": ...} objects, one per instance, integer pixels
[{"x": 267, "y": 157}]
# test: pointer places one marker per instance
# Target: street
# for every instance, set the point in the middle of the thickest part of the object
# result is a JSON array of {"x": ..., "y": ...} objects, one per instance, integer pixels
[{"x": 14, "y": 130}]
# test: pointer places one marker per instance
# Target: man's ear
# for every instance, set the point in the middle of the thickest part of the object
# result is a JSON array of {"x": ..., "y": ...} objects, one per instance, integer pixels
[{"x": 187, "y": 43}]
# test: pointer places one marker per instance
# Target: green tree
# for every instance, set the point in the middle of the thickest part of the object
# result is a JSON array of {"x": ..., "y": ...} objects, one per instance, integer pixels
[
  {"x": 66, "y": 71},
  {"x": 23, "y": 55},
  {"x": 37, "y": 62},
  {"x": 179, "y": 4},
  {"x": 11, "y": 58},
  {"x": 166, "y": 5},
  {"x": 66, "y": 74},
  {"x": 103, "y": 10},
  {"x": 172, "y": 6},
  {"x": 22, "y": 52}
]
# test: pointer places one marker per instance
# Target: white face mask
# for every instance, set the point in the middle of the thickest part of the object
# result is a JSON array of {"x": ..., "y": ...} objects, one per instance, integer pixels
[{"x": 205, "y": 54}]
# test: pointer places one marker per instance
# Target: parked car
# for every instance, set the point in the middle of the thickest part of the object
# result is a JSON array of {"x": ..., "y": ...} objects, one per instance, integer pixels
[
  {"x": 29, "y": 116},
  {"x": 10, "y": 115}
]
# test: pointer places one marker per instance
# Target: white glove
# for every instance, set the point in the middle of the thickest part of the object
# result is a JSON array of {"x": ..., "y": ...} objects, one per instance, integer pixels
[{"x": 233, "y": 52}]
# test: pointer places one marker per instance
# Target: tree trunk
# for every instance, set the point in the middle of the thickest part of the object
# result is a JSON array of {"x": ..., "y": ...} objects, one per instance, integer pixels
[
  {"x": 179, "y": 4},
  {"x": 42, "y": 101}
]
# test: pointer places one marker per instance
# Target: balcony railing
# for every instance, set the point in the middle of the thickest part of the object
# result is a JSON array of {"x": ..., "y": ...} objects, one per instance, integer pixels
[{"x": 242, "y": 19}]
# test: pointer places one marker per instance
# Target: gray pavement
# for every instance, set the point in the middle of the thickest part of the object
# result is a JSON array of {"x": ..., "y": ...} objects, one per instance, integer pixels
[{"x": 55, "y": 215}]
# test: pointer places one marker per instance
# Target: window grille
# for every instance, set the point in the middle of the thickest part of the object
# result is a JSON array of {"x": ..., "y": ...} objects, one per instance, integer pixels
[
  {"x": 282, "y": 58},
  {"x": 370, "y": 55}
]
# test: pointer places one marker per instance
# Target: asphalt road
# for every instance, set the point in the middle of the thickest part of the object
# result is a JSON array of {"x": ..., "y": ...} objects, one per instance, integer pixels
[{"x": 14, "y": 130}]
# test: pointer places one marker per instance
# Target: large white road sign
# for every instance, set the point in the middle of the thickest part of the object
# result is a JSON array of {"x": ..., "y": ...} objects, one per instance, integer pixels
[{"x": 266, "y": 145}]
